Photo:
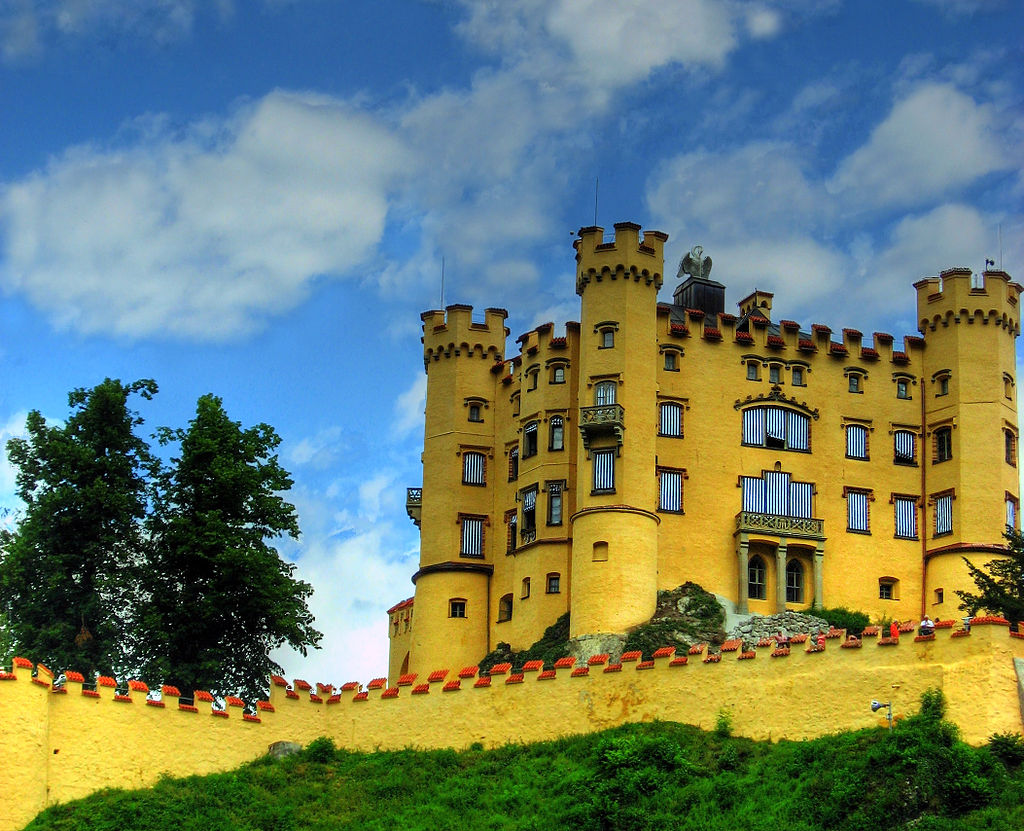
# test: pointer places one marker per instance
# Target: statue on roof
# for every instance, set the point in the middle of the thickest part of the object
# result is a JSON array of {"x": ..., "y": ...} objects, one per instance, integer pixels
[{"x": 695, "y": 264}]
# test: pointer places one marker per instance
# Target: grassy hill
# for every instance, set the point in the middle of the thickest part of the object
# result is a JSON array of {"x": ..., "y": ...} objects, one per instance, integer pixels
[{"x": 648, "y": 776}]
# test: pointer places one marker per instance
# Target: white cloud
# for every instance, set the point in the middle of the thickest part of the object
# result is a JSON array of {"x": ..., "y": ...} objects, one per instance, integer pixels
[
  {"x": 26, "y": 26},
  {"x": 759, "y": 188},
  {"x": 200, "y": 235},
  {"x": 763, "y": 23},
  {"x": 9, "y": 502},
  {"x": 410, "y": 407},
  {"x": 935, "y": 140},
  {"x": 319, "y": 452},
  {"x": 358, "y": 573}
]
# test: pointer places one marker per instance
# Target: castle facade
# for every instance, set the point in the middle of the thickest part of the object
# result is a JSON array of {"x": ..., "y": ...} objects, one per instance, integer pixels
[{"x": 654, "y": 443}]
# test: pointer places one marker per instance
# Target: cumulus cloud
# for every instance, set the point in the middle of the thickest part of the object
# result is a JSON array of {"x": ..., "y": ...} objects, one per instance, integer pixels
[
  {"x": 934, "y": 141},
  {"x": 201, "y": 234},
  {"x": 319, "y": 451}
]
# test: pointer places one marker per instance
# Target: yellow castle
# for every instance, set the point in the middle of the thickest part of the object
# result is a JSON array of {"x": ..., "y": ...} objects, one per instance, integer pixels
[{"x": 778, "y": 466}]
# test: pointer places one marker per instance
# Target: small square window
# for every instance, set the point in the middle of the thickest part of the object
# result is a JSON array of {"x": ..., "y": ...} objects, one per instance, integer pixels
[
  {"x": 607, "y": 338},
  {"x": 456, "y": 608},
  {"x": 558, "y": 375},
  {"x": 554, "y": 582},
  {"x": 474, "y": 412},
  {"x": 886, "y": 590}
]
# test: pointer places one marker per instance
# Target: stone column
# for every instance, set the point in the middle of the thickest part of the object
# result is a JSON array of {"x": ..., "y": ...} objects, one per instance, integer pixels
[
  {"x": 819, "y": 579},
  {"x": 743, "y": 566},
  {"x": 780, "y": 575}
]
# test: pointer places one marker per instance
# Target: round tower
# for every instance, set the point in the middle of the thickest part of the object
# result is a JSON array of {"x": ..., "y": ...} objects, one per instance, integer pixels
[
  {"x": 614, "y": 528},
  {"x": 970, "y": 477},
  {"x": 457, "y": 528}
]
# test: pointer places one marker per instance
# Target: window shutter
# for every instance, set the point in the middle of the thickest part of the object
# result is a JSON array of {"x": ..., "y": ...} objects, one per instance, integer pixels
[
  {"x": 799, "y": 431},
  {"x": 604, "y": 470},
  {"x": 775, "y": 418},
  {"x": 753, "y": 426},
  {"x": 856, "y": 442},
  {"x": 944, "y": 514},
  {"x": 473, "y": 537},
  {"x": 906, "y": 517},
  {"x": 904, "y": 445},
  {"x": 801, "y": 498},
  {"x": 671, "y": 491},
  {"x": 753, "y": 494},
  {"x": 671, "y": 420},
  {"x": 777, "y": 493},
  {"x": 857, "y": 511}
]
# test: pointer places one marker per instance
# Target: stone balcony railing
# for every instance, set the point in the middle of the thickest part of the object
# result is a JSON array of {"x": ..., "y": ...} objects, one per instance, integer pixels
[
  {"x": 414, "y": 504},
  {"x": 781, "y": 526},
  {"x": 601, "y": 420},
  {"x": 527, "y": 536}
]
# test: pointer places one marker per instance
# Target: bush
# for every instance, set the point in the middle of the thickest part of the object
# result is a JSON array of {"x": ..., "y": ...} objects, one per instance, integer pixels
[
  {"x": 723, "y": 724},
  {"x": 1007, "y": 748},
  {"x": 933, "y": 705},
  {"x": 842, "y": 618},
  {"x": 321, "y": 750}
]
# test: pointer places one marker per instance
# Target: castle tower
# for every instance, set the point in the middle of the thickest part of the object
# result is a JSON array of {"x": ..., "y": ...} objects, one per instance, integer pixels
[
  {"x": 457, "y": 527},
  {"x": 970, "y": 477},
  {"x": 614, "y": 528}
]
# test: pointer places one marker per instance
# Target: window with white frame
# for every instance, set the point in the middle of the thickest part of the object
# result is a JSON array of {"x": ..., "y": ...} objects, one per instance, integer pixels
[
  {"x": 556, "y": 429},
  {"x": 473, "y": 468},
  {"x": 943, "y": 514},
  {"x": 888, "y": 588},
  {"x": 472, "y": 544},
  {"x": 777, "y": 428},
  {"x": 604, "y": 393},
  {"x": 670, "y": 490},
  {"x": 457, "y": 607},
  {"x": 857, "y": 517},
  {"x": 555, "y": 503},
  {"x": 604, "y": 471},
  {"x": 1011, "y": 513},
  {"x": 671, "y": 420},
  {"x": 904, "y": 447},
  {"x": 905, "y": 516},
  {"x": 558, "y": 374},
  {"x": 856, "y": 442}
]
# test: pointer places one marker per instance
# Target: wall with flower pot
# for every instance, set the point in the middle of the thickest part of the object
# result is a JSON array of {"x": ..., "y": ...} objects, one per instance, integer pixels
[{"x": 65, "y": 741}]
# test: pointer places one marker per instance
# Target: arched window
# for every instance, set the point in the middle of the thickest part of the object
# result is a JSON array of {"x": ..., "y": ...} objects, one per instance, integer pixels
[
  {"x": 794, "y": 582},
  {"x": 604, "y": 393},
  {"x": 473, "y": 468},
  {"x": 756, "y": 579},
  {"x": 505, "y": 608},
  {"x": 530, "y": 440},
  {"x": 557, "y": 434}
]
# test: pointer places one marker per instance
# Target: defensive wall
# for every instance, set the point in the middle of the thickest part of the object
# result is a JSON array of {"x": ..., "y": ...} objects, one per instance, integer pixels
[{"x": 64, "y": 742}]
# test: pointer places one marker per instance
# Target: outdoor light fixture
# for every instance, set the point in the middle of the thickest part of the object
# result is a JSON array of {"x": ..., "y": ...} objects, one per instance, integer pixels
[{"x": 878, "y": 705}]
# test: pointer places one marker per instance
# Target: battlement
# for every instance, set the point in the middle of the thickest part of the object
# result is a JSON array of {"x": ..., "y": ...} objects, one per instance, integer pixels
[
  {"x": 453, "y": 332},
  {"x": 625, "y": 256},
  {"x": 958, "y": 296},
  {"x": 59, "y": 732}
]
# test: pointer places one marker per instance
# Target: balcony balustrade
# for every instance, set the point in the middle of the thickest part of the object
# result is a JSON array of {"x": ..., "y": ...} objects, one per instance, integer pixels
[
  {"x": 781, "y": 526},
  {"x": 601, "y": 420},
  {"x": 414, "y": 504}
]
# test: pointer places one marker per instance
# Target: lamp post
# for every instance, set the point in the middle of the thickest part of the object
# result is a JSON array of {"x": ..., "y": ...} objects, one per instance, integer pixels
[{"x": 878, "y": 705}]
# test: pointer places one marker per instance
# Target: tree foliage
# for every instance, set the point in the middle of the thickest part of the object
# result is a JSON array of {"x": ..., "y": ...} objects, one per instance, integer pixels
[
  {"x": 1000, "y": 583},
  {"x": 69, "y": 571},
  {"x": 222, "y": 598},
  {"x": 123, "y": 565}
]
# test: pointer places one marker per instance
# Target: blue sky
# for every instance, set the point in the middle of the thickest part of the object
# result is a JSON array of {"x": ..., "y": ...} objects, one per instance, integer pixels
[{"x": 254, "y": 199}]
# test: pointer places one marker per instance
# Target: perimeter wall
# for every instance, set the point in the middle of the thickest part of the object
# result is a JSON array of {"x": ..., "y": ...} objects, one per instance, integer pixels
[{"x": 64, "y": 743}]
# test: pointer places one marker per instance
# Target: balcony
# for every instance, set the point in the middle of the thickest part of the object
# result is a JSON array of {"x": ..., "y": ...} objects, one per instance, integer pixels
[
  {"x": 414, "y": 504},
  {"x": 780, "y": 526},
  {"x": 602, "y": 420}
]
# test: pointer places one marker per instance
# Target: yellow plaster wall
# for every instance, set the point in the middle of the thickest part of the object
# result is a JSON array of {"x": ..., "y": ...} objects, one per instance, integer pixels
[{"x": 63, "y": 746}]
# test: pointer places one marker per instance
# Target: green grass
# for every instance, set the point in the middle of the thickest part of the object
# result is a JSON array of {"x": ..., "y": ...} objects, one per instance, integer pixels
[{"x": 658, "y": 775}]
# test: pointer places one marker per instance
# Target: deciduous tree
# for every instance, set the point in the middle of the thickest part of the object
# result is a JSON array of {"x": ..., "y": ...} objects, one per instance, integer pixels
[
  {"x": 1000, "y": 583},
  {"x": 221, "y": 596},
  {"x": 69, "y": 571}
]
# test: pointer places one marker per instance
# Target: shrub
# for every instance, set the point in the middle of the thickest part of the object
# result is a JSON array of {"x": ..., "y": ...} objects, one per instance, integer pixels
[
  {"x": 723, "y": 724},
  {"x": 1008, "y": 748},
  {"x": 842, "y": 618},
  {"x": 933, "y": 705},
  {"x": 321, "y": 750}
]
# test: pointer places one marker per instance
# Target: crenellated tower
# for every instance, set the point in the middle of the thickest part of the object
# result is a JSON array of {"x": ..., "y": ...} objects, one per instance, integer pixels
[
  {"x": 457, "y": 526},
  {"x": 614, "y": 528},
  {"x": 969, "y": 421}
]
